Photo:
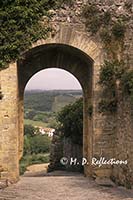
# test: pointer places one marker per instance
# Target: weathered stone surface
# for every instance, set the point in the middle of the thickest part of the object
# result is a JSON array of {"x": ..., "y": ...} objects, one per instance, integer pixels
[
  {"x": 56, "y": 152},
  {"x": 104, "y": 182},
  {"x": 64, "y": 148},
  {"x": 3, "y": 184}
]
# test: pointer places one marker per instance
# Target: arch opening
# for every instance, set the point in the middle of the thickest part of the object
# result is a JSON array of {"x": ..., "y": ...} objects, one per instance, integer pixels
[
  {"x": 68, "y": 58},
  {"x": 45, "y": 95}
]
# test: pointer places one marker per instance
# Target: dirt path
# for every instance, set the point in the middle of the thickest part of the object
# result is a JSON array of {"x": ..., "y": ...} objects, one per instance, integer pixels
[{"x": 62, "y": 186}]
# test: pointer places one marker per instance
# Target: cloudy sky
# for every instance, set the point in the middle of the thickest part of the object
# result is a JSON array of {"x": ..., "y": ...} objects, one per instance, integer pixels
[{"x": 50, "y": 79}]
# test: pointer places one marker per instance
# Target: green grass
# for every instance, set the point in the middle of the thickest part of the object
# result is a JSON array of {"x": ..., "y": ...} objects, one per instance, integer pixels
[
  {"x": 32, "y": 159},
  {"x": 35, "y": 123}
]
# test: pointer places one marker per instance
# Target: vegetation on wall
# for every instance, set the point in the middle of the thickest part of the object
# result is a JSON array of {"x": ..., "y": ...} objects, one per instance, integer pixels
[
  {"x": 21, "y": 24},
  {"x": 111, "y": 29},
  {"x": 93, "y": 21},
  {"x": 127, "y": 82},
  {"x": 97, "y": 20},
  {"x": 113, "y": 75}
]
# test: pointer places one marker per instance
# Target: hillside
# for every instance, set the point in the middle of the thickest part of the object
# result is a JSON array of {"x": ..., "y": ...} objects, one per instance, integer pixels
[
  {"x": 49, "y": 100},
  {"x": 41, "y": 106}
]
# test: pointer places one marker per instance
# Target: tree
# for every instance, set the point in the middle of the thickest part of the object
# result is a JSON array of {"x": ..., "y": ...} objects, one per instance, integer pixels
[
  {"x": 27, "y": 146},
  {"x": 20, "y": 26},
  {"x": 30, "y": 130},
  {"x": 30, "y": 114},
  {"x": 40, "y": 144},
  {"x": 71, "y": 121}
]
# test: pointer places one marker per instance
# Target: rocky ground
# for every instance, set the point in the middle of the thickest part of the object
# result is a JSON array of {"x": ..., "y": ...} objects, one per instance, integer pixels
[{"x": 61, "y": 186}]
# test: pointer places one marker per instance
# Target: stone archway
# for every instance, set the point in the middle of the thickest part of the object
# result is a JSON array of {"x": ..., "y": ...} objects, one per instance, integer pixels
[
  {"x": 64, "y": 57},
  {"x": 71, "y": 49}
]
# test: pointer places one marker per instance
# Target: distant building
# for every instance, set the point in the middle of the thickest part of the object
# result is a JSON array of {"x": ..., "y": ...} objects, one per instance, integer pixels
[{"x": 47, "y": 131}]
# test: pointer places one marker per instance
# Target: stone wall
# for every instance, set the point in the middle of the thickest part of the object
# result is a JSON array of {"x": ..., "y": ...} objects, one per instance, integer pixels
[
  {"x": 56, "y": 152},
  {"x": 72, "y": 151},
  {"x": 123, "y": 174},
  {"x": 62, "y": 147},
  {"x": 9, "y": 125}
]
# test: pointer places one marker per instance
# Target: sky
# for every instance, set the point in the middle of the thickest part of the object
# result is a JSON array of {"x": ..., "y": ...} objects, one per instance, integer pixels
[{"x": 53, "y": 79}]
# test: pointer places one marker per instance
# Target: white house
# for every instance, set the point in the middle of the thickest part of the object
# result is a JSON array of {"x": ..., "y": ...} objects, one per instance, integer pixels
[{"x": 47, "y": 131}]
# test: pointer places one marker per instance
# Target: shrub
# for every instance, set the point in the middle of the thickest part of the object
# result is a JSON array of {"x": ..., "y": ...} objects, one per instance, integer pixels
[
  {"x": 108, "y": 106},
  {"x": 32, "y": 159},
  {"x": 30, "y": 114},
  {"x": 30, "y": 130},
  {"x": 93, "y": 19},
  {"x": 22, "y": 168},
  {"x": 110, "y": 72},
  {"x": 106, "y": 18},
  {"x": 105, "y": 36},
  {"x": 39, "y": 159},
  {"x": 39, "y": 117},
  {"x": 27, "y": 146},
  {"x": 118, "y": 30},
  {"x": 89, "y": 10},
  {"x": 93, "y": 24},
  {"x": 127, "y": 82},
  {"x": 24, "y": 162}
]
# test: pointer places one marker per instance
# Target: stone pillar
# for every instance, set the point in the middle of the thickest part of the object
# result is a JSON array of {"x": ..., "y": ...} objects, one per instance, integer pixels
[
  {"x": 9, "y": 124},
  {"x": 87, "y": 132},
  {"x": 123, "y": 174},
  {"x": 103, "y": 129}
]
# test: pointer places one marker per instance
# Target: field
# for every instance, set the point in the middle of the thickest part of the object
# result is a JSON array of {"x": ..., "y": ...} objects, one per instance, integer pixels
[{"x": 34, "y": 123}]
